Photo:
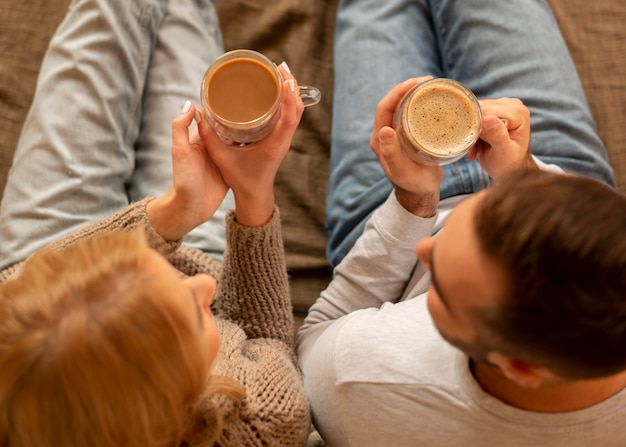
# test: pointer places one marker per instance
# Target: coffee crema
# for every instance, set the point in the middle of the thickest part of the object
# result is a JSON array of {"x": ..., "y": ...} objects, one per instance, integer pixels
[
  {"x": 438, "y": 121},
  {"x": 241, "y": 90},
  {"x": 441, "y": 120}
]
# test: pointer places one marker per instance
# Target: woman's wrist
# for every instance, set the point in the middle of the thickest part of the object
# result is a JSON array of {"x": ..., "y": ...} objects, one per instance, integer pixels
[
  {"x": 254, "y": 210},
  {"x": 162, "y": 214}
]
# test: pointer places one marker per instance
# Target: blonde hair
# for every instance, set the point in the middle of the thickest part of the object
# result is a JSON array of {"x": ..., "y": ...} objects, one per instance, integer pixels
[{"x": 90, "y": 353}]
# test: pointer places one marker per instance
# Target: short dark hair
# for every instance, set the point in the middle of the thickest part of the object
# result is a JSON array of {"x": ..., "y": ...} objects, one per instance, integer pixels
[{"x": 561, "y": 242}]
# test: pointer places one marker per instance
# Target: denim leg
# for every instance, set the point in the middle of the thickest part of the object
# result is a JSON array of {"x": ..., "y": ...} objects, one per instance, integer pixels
[
  {"x": 75, "y": 152},
  {"x": 377, "y": 45},
  {"x": 98, "y": 132},
  {"x": 187, "y": 42},
  {"x": 497, "y": 48},
  {"x": 515, "y": 49}
]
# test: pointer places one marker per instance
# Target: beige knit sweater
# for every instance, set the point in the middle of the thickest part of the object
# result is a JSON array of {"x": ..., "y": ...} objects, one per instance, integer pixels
[{"x": 254, "y": 317}]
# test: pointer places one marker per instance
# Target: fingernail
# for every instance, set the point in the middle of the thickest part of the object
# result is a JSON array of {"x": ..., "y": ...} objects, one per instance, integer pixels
[
  {"x": 385, "y": 138},
  {"x": 489, "y": 127},
  {"x": 292, "y": 85},
  {"x": 186, "y": 107},
  {"x": 197, "y": 117},
  {"x": 285, "y": 67},
  {"x": 493, "y": 124}
]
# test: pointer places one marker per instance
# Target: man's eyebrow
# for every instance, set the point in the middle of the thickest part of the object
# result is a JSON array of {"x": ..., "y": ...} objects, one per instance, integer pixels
[{"x": 435, "y": 283}]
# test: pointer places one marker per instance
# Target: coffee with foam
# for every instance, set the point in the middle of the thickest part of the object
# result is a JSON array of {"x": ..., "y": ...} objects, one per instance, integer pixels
[{"x": 438, "y": 121}]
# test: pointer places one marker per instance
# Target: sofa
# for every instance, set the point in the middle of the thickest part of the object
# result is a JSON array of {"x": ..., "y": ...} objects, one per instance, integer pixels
[{"x": 301, "y": 33}]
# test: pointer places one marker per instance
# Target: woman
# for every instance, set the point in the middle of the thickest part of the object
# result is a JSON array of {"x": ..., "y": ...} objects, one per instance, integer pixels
[
  {"x": 99, "y": 342},
  {"x": 105, "y": 343}
]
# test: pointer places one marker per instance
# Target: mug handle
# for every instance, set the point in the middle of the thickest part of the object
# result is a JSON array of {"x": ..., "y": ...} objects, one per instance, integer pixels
[{"x": 310, "y": 95}]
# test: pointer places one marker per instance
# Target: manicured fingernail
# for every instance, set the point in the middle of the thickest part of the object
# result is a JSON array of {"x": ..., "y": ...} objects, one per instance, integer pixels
[
  {"x": 186, "y": 107},
  {"x": 285, "y": 67},
  {"x": 292, "y": 85},
  {"x": 197, "y": 117}
]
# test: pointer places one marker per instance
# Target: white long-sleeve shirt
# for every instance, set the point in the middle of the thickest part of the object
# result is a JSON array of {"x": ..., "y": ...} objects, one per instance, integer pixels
[{"x": 378, "y": 373}]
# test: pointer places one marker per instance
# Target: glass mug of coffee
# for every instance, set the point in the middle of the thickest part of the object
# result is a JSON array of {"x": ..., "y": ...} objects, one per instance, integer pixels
[
  {"x": 438, "y": 121},
  {"x": 242, "y": 96}
]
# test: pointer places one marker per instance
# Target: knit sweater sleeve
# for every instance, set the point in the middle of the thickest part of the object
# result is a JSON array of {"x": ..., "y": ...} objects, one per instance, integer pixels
[
  {"x": 127, "y": 219},
  {"x": 253, "y": 291}
]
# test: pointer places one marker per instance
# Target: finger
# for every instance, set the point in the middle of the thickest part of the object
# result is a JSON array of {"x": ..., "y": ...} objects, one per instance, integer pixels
[
  {"x": 388, "y": 145},
  {"x": 511, "y": 111},
  {"x": 472, "y": 154},
  {"x": 293, "y": 107},
  {"x": 180, "y": 127},
  {"x": 293, "y": 101},
  {"x": 194, "y": 136},
  {"x": 285, "y": 71},
  {"x": 494, "y": 131},
  {"x": 389, "y": 153},
  {"x": 387, "y": 105},
  {"x": 207, "y": 134},
  {"x": 384, "y": 147},
  {"x": 287, "y": 75},
  {"x": 278, "y": 141},
  {"x": 293, "y": 88}
]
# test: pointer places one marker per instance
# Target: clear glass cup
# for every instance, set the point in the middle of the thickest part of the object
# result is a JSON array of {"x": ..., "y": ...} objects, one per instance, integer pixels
[
  {"x": 438, "y": 121},
  {"x": 242, "y": 90}
]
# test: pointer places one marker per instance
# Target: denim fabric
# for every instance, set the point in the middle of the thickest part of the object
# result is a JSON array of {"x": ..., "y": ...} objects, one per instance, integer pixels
[
  {"x": 98, "y": 134},
  {"x": 497, "y": 48}
]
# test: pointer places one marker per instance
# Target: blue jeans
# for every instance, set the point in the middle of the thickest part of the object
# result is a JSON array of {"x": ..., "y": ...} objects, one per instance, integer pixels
[
  {"x": 497, "y": 48},
  {"x": 98, "y": 134}
]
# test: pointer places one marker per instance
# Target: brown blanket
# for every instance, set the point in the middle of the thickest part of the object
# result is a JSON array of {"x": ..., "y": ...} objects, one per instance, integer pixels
[{"x": 300, "y": 32}]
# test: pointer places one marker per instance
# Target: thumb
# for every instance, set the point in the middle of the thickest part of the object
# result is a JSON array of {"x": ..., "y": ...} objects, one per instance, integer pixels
[
  {"x": 494, "y": 131},
  {"x": 389, "y": 152},
  {"x": 388, "y": 144}
]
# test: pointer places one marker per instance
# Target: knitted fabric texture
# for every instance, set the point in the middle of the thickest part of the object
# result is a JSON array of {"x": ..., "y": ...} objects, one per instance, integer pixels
[{"x": 254, "y": 318}]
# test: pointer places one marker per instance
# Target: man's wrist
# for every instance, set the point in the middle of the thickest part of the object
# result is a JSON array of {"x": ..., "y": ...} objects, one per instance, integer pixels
[{"x": 421, "y": 205}]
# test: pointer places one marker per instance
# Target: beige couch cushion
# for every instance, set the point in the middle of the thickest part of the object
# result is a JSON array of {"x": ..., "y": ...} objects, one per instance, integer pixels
[{"x": 595, "y": 31}]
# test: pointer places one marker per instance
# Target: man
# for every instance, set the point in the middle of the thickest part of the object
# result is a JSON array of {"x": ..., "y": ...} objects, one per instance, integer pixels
[{"x": 509, "y": 327}]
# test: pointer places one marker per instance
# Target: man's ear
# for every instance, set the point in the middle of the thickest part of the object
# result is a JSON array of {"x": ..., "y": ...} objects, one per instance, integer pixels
[{"x": 524, "y": 374}]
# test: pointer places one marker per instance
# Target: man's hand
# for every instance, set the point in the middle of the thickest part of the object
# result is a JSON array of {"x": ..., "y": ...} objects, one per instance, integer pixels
[
  {"x": 504, "y": 143},
  {"x": 416, "y": 185}
]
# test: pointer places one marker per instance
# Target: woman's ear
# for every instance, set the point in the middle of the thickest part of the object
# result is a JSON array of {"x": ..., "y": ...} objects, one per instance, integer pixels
[{"x": 524, "y": 374}]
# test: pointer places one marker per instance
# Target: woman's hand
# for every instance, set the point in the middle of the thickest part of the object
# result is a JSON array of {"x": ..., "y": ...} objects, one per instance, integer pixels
[
  {"x": 416, "y": 185},
  {"x": 504, "y": 143},
  {"x": 198, "y": 188},
  {"x": 250, "y": 171}
]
